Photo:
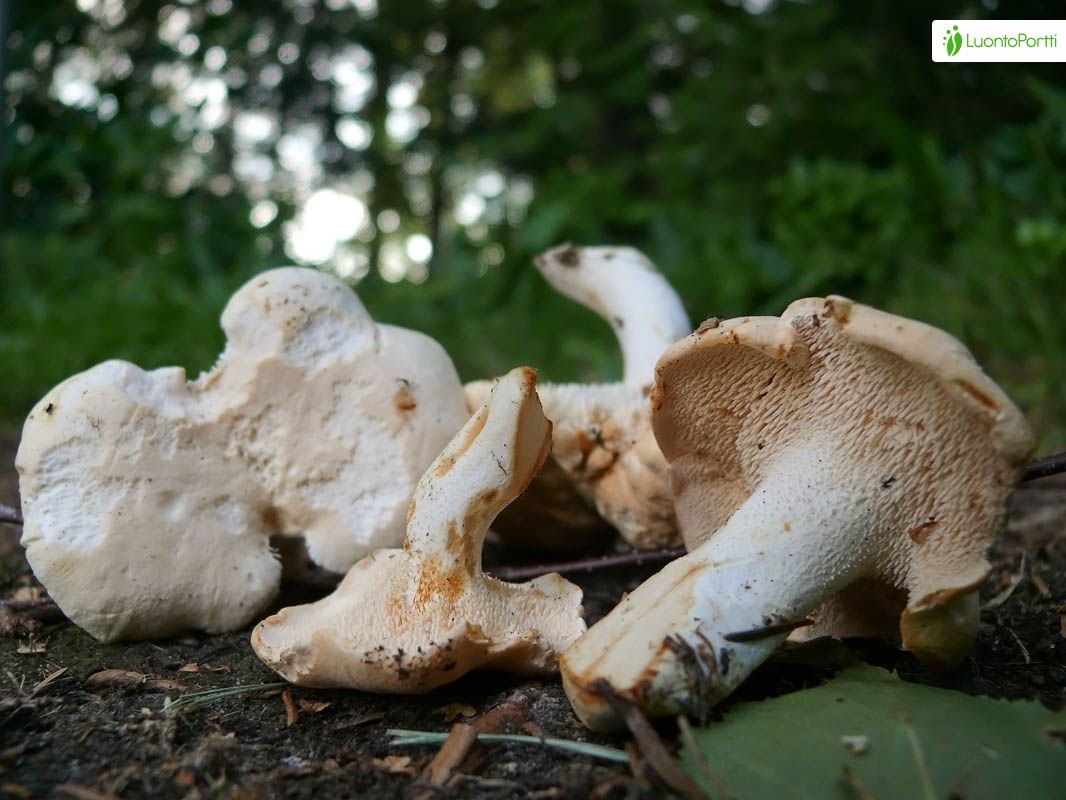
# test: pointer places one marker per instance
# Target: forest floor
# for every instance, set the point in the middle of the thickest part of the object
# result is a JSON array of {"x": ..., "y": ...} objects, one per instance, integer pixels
[{"x": 66, "y": 733}]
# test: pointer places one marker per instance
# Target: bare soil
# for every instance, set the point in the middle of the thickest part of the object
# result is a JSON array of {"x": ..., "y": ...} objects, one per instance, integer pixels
[{"x": 67, "y": 737}]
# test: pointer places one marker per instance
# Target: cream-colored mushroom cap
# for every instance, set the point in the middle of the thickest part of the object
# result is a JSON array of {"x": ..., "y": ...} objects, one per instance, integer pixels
[
  {"x": 406, "y": 621},
  {"x": 833, "y": 447},
  {"x": 605, "y": 465},
  {"x": 149, "y": 501}
]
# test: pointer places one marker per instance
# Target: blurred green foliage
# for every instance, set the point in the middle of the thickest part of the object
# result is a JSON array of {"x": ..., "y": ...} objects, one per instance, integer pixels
[{"x": 758, "y": 152}]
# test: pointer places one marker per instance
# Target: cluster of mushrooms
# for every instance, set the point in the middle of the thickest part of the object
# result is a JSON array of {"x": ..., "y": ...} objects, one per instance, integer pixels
[{"x": 835, "y": 471}]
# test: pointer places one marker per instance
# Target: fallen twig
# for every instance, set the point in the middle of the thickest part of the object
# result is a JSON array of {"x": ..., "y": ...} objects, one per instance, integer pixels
[
  {"x": 1021, "y": 645},
  {"x": 451, "y": 754},
  {"x": 1044, "y": 466},
  {"x": 651, "y": 746},
  {"x": 400, "y": 736},
  {"x": 10, "y": 515},
  {"x": 698, "y": 756},
  {"x": 586, "y": 564},
  {"x": 766, "y": 631}
]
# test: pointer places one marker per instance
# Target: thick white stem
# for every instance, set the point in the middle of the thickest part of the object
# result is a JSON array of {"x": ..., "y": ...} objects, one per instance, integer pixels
[
  {"x": 624, "y": 288},
  {"x": 690, "y": 634},
  {"x": 488, "y": 463}
]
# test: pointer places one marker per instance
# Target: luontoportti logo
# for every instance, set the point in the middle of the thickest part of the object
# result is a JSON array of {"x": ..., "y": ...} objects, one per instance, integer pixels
[
  {"x": 953, "y": 41},
  {"x": 991, "y": 40}
]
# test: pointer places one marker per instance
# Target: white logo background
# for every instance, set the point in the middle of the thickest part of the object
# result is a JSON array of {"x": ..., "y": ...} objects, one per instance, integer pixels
[{"x": 986, "y": 28}]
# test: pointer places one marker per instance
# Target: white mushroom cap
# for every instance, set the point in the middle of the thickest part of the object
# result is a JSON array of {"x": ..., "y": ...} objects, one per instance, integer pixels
[
  {"x": 313, "y": 417},
  {"x": 114, "y": 530},
  {"x": 810, "y": 454},
  {"x": 406, "y": 621},
  {"x": 604, "y": 454}
]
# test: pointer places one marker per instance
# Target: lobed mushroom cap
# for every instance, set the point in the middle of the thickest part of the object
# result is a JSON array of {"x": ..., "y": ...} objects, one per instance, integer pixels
[
  {"x": 900, "y": 406},
  {"x": 406, "y": 621},
  {"x": 149, "y": 500},
  {"x": 113, "y": 530}
]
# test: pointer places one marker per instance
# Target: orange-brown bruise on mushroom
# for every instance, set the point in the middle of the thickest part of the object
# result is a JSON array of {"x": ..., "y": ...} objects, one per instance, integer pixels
[{"x": 408, "y": 620}]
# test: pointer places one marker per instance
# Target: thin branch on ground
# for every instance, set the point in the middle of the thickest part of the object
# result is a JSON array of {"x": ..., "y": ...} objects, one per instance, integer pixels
[
  {"x": 1045, "y": 466},
  {"x": 651, "y": 745},
  {"x": 700, "y": 759},
  {"x": 633, "y": 558},
  {"x": 10, "y": 515}
]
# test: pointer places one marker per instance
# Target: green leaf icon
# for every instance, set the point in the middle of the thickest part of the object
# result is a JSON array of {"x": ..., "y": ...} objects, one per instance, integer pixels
[{"x": 953, "y": 41}]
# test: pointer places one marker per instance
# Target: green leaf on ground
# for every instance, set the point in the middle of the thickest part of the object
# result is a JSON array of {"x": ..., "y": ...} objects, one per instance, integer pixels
[{"x": 867, "y": 734}]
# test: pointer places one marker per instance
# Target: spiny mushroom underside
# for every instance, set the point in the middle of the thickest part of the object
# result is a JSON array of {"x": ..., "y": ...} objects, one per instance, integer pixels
[
  {"x": 834, "y": 445},
  {"x": 158, "y": 483},
  {"x": 938, "y": 445},
  {"x": 408, "y": 620}
]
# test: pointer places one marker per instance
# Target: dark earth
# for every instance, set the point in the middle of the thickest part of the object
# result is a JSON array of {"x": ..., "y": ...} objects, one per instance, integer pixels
[{"x": 63, "y": 735}]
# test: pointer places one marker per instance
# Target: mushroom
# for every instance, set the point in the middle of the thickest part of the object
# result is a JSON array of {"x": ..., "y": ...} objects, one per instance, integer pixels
[
  {"x": 834, "y": 448},
  {"x": 408, "y": 620},
  {"x": 604, "y": 455},
  {"x": 149, "y": 501},
  {"x": 625, "y": 289}
]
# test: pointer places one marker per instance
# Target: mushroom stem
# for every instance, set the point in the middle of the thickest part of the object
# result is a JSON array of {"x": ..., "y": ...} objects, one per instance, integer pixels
[
  {"x": 622, "y": 286},
  {"x": 690, "y": 634},
  {"x": 492, "y": 460}
]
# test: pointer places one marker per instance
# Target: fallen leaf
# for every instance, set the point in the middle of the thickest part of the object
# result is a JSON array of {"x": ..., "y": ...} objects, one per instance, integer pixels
[
  {"x": 453, "y": 711},
  {"x": 373, "y": 716},
  {"x": 194, "y": 667},
  {"x": 84, "y": 792},
  {"x": 923, "y": 742},
  {"x": 32, "y": 647},
  {"x": 314, "y": 706},
  {"x": 15, "y": 790},
  {"x": 126, "y": 677},
  {"x": 115, "y": 677},
  {"x": 292, "y": 713},
  {"x": 397, "y": 765}
]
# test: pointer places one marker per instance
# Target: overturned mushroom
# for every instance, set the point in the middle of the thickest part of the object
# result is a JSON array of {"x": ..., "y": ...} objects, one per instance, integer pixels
[
  {"x": 834, "y": 448},
  {"x": 604, "y": 454},
  {"x": 406, "y": 621},
  {"x": 149, "y": 500}
]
